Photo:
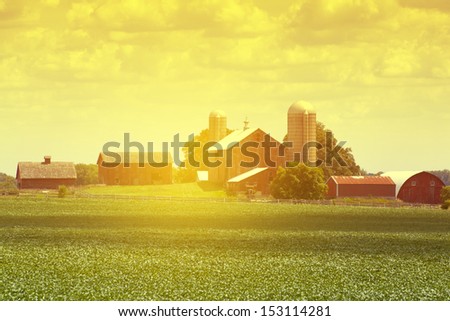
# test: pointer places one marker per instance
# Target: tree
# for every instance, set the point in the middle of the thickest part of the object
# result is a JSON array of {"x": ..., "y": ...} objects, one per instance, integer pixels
[
  {"x": 87, "y": 174},
  {"x": 188, "y": 172},
  {"x": 62, "y": 191},
  {"x": 445, "y": 194},
  {"x": 444, "y": 175},
  {"x": 8, "y": 185},
  {"x": 184, "y": 175},
  {"x": 334, "y": 169},
  {"x": 299, "y": 182},
  {"x": 351, "y": 168}
]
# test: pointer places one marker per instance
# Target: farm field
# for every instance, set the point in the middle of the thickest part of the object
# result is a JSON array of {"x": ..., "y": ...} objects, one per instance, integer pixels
[
  {"x": 194, "y": 190},
  {"x": 88, "y": 249}
]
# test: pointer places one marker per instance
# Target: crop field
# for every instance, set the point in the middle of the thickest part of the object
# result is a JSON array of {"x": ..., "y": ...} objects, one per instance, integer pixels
[
  {"x": 195, "y": 190},
  {"x": 89, "y": 249}
]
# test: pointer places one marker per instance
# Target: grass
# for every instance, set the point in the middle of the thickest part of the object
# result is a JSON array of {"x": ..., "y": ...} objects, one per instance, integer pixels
[
  {"x": 197, "y": 190},
  {"x": 85, "y": 249}
]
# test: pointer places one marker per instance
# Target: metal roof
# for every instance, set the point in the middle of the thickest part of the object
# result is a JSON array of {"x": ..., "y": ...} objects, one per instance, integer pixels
[
  {"x": 232, "y": 139},
  {"x": 248, "y": 174},
  {"x": 54, "y": 170},
  {"x": 134, "y": 157},
  {"x": 362, "y": 180},
  {"x": 236, "y": 137},
  {"x": 400, "y": 177}
]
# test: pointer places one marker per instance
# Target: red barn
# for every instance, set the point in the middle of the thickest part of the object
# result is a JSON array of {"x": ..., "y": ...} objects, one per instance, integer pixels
[
  {"x": 417, "y": 187},
  {"x": 360, "y": 186},
  {"x": 45, "y": 175},
  {"x": 135, "y": 168},
  {"x": 234, "y": 162}
]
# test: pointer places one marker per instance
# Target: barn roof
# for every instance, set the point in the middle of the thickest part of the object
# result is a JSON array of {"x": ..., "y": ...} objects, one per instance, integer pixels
[
  {"x": 362, "y": 180},
  {"x": 54, "y": 170},
  {"x": 157, "y": 157},
  {"x": 248, "y": 174},
  {"x": 232, "y": 139},
  {"x": 235, "y": 137}
]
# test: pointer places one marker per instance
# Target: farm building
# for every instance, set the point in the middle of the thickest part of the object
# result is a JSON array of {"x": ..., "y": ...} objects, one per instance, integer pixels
[
  {"x": 360, "y": 186},
  {"x": 135, "y": 168},
  {"x": 234, "y": 162},
  {"x": 253, "y": 181},
  {"x": 417, "y": 187},
  {"x": 45, "y": 175}
]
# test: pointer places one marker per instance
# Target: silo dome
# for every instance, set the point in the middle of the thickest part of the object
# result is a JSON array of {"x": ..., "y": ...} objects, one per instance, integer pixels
[
  {"x": 217, "y": 113},
  {"x": 300, "y": 107},
  {"x": 217, "y": 125}
]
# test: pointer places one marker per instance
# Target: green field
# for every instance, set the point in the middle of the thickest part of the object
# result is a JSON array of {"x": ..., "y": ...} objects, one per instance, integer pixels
[
  {"x": 87, "y": 249},
  {"x": 190, "y": 190}
]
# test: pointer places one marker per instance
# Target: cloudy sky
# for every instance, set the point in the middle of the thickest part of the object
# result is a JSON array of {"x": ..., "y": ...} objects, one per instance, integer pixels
[{"x": 77, "y": 74}]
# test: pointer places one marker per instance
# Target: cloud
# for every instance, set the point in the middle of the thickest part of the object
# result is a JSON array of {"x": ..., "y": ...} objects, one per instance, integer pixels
[
  {"x": 399, "y": 62},
  {"x": 323, "y": 14},
  {"x": 441, "y": 5},
  {"x": 81, "y": 14},
  {"x": 136, "y": 16},
  {"x": 238, "y": 18},
  {"x": 16, "y": 14},
  {"x": 51, "y": 3}
]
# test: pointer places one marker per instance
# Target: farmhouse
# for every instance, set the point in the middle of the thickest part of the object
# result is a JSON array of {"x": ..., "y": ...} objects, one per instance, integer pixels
[
  {"x": 135, "y": 168},
  {"x": 360, "y": 186},
  {"x": 45, "y": 175},
  {"x": 417, "y": 187}
]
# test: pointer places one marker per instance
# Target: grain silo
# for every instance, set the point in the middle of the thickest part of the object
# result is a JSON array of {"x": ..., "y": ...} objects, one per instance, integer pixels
[
  {"x": 217, "y": 125},
  {"x": 301, "y": 130}
]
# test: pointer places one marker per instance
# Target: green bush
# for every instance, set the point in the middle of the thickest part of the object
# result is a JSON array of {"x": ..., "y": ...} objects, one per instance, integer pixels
[
  {"x": 445, "y": 194},
  {"x": 13, "y": 191},
  {"x": 87, "y": 174},
  {"x": 299, "y": 182},
  {"x": 8, "y": 185},
  {"x": 62, "y": 191},
  {"x": 446, "y": 205}
]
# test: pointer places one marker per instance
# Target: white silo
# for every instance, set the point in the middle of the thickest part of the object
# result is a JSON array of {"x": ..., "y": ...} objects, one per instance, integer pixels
[
  {"x": 217, "y": 125},
  {"x": 302, "y": 128}
]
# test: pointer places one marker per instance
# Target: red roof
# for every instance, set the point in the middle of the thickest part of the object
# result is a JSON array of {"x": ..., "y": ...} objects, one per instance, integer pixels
[{"x": 362, "y": 180}]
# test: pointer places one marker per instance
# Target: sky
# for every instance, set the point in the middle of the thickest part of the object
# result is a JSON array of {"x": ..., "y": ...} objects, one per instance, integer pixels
[{"x": 75, "y": 75}]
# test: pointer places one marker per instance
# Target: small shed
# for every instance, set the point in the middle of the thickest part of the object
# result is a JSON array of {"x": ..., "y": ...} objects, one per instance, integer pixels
[
  {"x": 417, "y": 187},
  {"x": 360, "y": 186},
  {"x": 45, "y": 175}
]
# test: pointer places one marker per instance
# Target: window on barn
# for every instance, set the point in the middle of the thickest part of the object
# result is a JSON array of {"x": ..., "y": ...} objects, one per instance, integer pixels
[
  {"x": 432, "y": 183},
  {"x": 413, "y": 183}
]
